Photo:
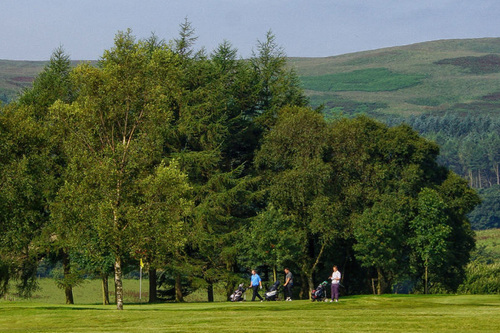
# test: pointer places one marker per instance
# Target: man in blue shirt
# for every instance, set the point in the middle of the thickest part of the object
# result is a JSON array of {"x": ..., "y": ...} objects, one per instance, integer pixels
[{"x": 255, "y": 283}]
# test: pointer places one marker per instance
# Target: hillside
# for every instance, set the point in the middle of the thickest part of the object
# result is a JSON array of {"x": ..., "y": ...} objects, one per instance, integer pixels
[
  {"x": 426, "y": 77},
  {"x": 16, "y": 75},
  {"x": 490, "y": 240}
]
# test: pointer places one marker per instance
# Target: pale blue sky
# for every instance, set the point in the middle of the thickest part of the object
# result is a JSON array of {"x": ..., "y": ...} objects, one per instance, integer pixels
[{"x": 32, "y": 29}]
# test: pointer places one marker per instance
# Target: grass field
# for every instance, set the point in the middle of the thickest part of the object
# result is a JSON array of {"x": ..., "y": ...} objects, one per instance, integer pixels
[
  {"x": 490, "y": 239},
  {"x": 46, "y": 311},
  {"x": 394, "y": 313}
]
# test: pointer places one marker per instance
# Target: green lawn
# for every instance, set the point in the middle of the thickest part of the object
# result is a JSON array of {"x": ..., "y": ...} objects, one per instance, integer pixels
[{"x": 394, "y": 313}]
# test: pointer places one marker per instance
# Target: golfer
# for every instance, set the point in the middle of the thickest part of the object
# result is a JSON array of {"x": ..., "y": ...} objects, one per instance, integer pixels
[
  {"x": 255, "y": 283},
  {"x": 335, "y": 284},
  {"x": 288, "y": 284}
]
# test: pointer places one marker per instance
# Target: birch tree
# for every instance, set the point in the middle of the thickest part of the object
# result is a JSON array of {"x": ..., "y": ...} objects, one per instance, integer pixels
[{"x": 115, "y": 134}]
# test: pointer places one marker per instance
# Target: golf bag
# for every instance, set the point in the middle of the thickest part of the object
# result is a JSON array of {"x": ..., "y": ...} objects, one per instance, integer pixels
[
  {"x": 237, "y": 296},
  {"x": 272, "y": 292},
  {"x": 319, "y": 294}
]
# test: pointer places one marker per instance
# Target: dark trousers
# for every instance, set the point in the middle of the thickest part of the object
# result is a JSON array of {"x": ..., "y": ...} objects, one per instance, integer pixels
[
  {"x": 288, "y": 290},
  {"x": 335, "y": 291},
  {"x": 256, "y": 293}
]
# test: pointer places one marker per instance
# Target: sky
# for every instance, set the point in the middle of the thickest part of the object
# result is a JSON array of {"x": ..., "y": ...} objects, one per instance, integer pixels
[{"x": 33, "y": 29}]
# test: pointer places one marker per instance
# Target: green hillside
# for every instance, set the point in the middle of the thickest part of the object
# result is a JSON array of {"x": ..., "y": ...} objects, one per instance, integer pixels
[
  {"x": 432, "y": 76},
  {"x": 16, "y": 75},
  {"x": 490, "y": 240},
  {"x": 426, "y": 77}
]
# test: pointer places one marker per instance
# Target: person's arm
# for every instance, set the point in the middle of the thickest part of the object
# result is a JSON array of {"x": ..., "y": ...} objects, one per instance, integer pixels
[{"x": 287, "y": 280}]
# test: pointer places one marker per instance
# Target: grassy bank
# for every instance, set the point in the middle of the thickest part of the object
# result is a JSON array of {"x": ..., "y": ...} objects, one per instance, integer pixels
[{"x": 394, "y": 313}]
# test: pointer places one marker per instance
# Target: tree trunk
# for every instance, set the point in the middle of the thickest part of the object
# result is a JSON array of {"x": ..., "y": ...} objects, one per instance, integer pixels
[
  {"x": 380, "y": 282},
  {"x": 275, "y": 274},
  {"x": 152, "y": 285},
  {"x": 210, "y": 292},
  {"x": 118, "y": 283},
  {"x": 310, "y": 282},
  {"x": 68, "y": 288},
  {"x": 497, "y": 172},
  {"x": 105, "y": 290},
  {"x": 426, "y": 276},
  {"x": 304, "y": 285},
  {"x": 178, "y": 289},
  {"x": 309, "y": 272}
]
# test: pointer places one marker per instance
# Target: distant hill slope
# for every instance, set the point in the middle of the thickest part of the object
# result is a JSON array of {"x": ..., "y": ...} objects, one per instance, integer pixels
[
  {"x": 18, "y": 75},
  {"x": 432, "y": 76},
  {"x": 15, "y": 76}
]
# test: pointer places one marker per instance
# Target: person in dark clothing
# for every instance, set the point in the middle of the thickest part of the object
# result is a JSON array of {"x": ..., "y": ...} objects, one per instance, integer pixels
[
  {"x": 255, "y": 283},
  {"x": 288, "y": 284}
]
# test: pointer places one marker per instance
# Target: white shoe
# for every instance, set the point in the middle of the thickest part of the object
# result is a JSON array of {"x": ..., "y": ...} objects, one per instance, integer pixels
[
  {"x": 336, "y": 300},
  {"x": 331, "y": 300}
]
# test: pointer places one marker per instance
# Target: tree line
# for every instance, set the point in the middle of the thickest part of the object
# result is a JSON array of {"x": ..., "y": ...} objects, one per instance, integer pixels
[
  {"x": 470, "y": 146},
  {"x": 203, "y": 166}
]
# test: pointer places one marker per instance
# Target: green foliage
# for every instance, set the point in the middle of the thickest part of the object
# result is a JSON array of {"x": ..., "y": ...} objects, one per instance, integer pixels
[
  {"x": 487, "y": 214},
  {"x": 481, "y": 278},
  {"x": 430, "y": 226},
  {"x": 470, "y": 146},
  {"x": 378, "y": 237},
  {"x": 205, "y": 165},
  {"x": 276, "y": 85}
]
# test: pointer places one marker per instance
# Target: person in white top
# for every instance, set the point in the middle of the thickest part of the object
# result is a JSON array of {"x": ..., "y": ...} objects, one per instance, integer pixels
[{"x": 335, "y": 284}]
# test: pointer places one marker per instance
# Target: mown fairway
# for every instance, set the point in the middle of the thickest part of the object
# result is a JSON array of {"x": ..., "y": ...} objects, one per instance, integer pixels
[{"x": 395, "y": 313}]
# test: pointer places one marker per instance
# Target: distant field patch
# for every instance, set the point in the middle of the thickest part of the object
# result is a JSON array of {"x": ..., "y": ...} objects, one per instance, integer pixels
[
  {"x": 476, "y": 65},
  {"x": 370, "y": 79},
  {"x": 490, "y": 239}
]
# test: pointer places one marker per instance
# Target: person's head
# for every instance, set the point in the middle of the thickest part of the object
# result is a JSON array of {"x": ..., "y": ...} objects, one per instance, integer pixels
[
  {"x": 335, "y": 268},
  {"x": 254, "y": 272},
  {"x": 287, "y": 270}
]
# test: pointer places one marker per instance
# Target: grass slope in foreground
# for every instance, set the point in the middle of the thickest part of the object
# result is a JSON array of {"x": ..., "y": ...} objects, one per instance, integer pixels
[{"x": 394, "y": 313}]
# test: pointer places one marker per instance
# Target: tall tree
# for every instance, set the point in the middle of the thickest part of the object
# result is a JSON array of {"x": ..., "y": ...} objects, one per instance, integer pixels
[
  {"x": 301, "y": 184},
  {"x": 164, "y": 204},
  {"x": 431, "y": 231},
  {"x": 116, "y": 129},
  {"x": 31, "y": 163},
  {"x": 379, "y": 241},
  {"x": 277, "y": 85}
]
